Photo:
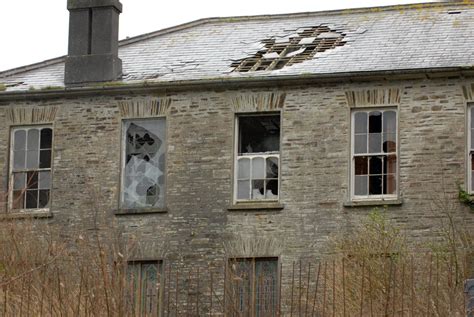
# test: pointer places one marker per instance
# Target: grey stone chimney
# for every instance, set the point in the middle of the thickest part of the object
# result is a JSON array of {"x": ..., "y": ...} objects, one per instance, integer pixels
[{"x": 93, "y": 41}]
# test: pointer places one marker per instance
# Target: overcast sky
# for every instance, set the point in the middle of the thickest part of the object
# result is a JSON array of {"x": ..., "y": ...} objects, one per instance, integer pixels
[{"x": 36, "y": 30}]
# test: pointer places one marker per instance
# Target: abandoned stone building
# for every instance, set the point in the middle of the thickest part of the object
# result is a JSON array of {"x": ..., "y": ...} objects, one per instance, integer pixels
[{"x": 252, "y": 138}]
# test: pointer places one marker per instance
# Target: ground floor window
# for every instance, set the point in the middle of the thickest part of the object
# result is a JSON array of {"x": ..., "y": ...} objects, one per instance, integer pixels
[
  {"x": 144, "y": 288},
  {"x": 254, "y": 286}
]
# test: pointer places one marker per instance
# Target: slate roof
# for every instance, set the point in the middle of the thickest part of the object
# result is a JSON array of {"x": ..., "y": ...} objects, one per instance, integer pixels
[{"x": 382, "y": 39}]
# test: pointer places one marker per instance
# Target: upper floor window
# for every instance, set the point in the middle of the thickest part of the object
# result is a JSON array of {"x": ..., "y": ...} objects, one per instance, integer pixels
[
  {"x": 30, "y": 168},
  {"x": 258, "y": 158},
  {"x": 374, "y": 154},
  {"x": 143, "y": 163}
]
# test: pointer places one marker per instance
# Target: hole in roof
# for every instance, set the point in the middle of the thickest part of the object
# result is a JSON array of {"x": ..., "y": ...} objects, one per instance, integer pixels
[
  {"x": 275, "y": 54},
  {"x": 454, "y": 12}
]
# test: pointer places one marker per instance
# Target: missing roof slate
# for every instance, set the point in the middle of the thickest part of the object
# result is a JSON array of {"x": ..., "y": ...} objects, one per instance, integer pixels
[{"x": 276, "y": 54}]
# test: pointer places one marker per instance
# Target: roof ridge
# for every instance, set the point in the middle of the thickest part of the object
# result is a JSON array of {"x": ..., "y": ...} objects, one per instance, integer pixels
[
  {"x": 232, "y": 19},
  {"x": 410, "y": 6}
]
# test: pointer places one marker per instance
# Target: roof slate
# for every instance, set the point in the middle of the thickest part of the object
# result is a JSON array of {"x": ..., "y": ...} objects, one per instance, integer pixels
[{"x": 377, "y": 39}]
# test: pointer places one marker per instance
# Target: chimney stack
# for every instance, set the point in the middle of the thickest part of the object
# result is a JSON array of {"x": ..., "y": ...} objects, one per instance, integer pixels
[{"x": 93, "y": 41}]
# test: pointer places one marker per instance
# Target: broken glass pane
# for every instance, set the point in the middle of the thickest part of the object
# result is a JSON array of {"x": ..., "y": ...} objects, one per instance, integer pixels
[
  {"x": 45, "y": 159},
  {"x": 271, "y": 188},
  {"x": 258, "y": 190},
  {"x": 32, "y": 180},
  {"x": 375, "y": 185},
  {"x": 375, "y": 165},
  {"x": 361, "y": 165},
  {"x": 20, "y": 140},
  {"x": 375, "y": 142},
  {"x": 258, "y": 168},
  {"x": 33, "y": 140},
  {"x": 143, "y": 176},
  {"x": 259, "y": 134},
  {"x": 390, "y": 122},
  {"x": 46, "y": 138},
  {"x": 360, "y": 122},
  {"x": 272, "y": 167},
  {"x": 360, "y": 143},
  {"x": 375, "y": 122},
  {"x": 360, "y": 185},
  {"x": 389, "y": 143},
  {"x": 31, "y": 199},
  {"x": 43, "y": 199}
]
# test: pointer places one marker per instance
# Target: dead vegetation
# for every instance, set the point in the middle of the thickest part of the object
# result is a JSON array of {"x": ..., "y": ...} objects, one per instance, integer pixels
[{"x": 45, "y": 271}]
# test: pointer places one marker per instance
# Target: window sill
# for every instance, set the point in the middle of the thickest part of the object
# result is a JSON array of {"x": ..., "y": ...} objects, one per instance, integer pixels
[
  {"x": 140, "y": 211},
  {"x": 249, "y": 206},
  {"x": 26, "y": 215},
  {"x": 374, "y": 202}
]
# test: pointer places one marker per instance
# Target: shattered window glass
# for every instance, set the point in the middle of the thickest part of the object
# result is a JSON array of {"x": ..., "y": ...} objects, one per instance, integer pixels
[
  {"x": 374, "y": 153},
  {"x": 254, "y": 286},
  {"x": 30, "y": 178},
  {"x": 296, "y": 47},
  {"x": 143, "y": 176},
  {"x": 143, "y": 289},
  {"x": 258, "y": 157}
]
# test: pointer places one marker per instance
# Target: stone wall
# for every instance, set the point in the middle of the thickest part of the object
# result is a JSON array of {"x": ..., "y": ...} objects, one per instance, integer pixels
[{"x": 197, "y": 226}]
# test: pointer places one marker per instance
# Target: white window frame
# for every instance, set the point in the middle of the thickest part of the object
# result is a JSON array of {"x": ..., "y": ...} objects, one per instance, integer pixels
[
  {"x": 470, "y": 149},
  {"x": 251, "y": 156},
  {"x": 369, "y": 197},
  {"x": 123, "y": 156},
  {"x": 11, "y": 170}
]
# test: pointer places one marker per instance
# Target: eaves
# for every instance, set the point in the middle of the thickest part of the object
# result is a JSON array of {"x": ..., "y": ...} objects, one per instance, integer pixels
[{"x": 119, "y": 88}]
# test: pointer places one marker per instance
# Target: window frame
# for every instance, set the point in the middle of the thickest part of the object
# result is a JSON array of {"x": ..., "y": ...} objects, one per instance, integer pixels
[
  {"x": 11, "y": 169},
  {"x": 123, "y": 146},
  {"x": 138, "y": 309},
  {"x": 378, "y": 197},
  {"x": 236, "y": 155},
  {"x": 469, "y": 148},
  {"x": 253, "y": 282}
]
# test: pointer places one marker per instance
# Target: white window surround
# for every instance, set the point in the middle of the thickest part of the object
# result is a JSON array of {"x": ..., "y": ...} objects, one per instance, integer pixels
[
  {"x": 30, "y": 166},
  {"x": 375, "y": 175},
  {"x": 470, "y": 148},
  {"x": 257, "y": 171}
]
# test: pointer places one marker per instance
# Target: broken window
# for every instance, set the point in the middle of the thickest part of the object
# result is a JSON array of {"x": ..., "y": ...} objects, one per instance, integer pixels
[
  {"x": 258, "y": 157},
  {"x": 253, "y": 286},
  {"x": 374, "y": 153},
  {"x": 30, "y": 166},
  {"x": 144, "y": 288},
  {"x": 297, "y": 47},
  {"x": 143, "y": 174}
]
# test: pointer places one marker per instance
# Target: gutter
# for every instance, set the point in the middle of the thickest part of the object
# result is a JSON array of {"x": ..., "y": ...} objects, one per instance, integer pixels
[{"x": 119, "y": 88}]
